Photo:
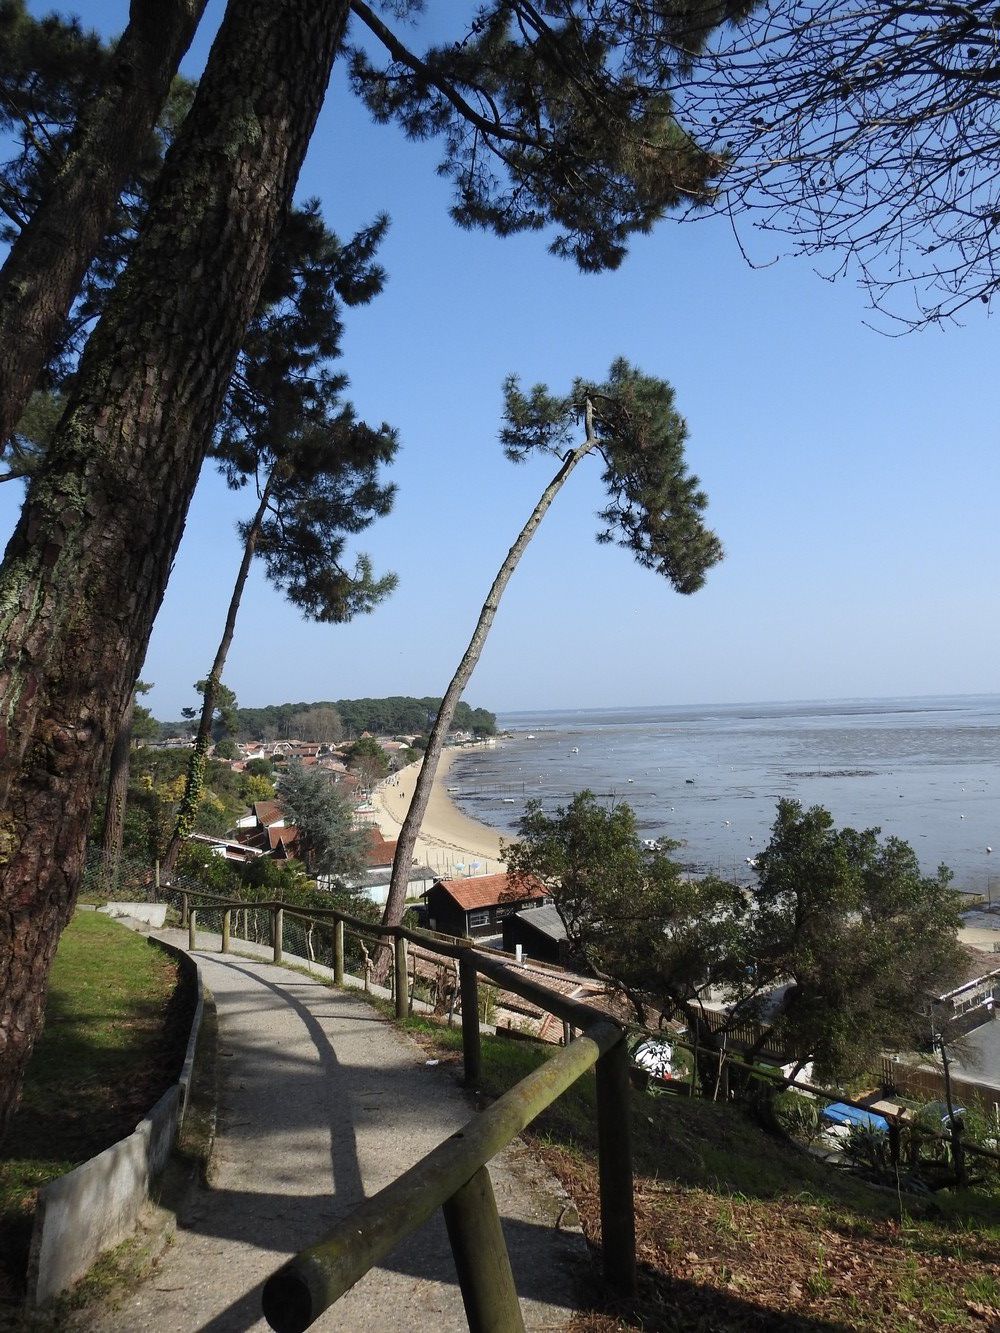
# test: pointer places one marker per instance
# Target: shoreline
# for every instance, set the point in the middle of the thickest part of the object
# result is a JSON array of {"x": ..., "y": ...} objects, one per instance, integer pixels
[{"x": 448, "y": 837}]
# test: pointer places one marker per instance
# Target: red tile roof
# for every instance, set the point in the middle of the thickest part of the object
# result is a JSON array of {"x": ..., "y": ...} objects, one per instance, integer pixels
[
  {"x": 282, "y": 837},
  {"x": 268, "y": 812},
  {"x": 380, "y": 852},
  {"x": 488, "y": 891}
]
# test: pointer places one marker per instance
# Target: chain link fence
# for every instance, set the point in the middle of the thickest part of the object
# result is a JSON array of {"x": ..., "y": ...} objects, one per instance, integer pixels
[{"x": 129, "y": 880}]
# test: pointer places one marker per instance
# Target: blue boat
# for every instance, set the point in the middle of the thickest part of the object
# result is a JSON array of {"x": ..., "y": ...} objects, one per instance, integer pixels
[{"x": 839, "y": 1114}]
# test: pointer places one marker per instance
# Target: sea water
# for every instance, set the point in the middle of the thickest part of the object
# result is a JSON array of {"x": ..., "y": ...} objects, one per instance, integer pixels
[{"x": 926, "y": 770}]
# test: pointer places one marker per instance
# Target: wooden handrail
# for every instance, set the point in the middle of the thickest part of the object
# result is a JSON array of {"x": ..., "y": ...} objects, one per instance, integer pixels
[
  {"x": 312, "y": 1280},
  {"x": 498, "y": 967},
  {"x": 576, "y": 1012},
  {"x": 453, "y": 1176}
]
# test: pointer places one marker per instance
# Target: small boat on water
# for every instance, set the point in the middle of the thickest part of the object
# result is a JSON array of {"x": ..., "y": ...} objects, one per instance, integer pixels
[
  {"x": 575, "y": 749},
  {"x": 509, "y": 800},
  {"x": 529, "y": 737},
  {"x": 453, "y": 789}
]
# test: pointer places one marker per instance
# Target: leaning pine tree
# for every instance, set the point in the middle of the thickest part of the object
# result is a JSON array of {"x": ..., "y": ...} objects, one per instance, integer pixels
[{"x": 655, "y": 509}]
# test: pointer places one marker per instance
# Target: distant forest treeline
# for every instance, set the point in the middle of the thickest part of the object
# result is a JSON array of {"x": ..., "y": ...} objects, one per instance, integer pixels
[{"x": 346, "y": 719}]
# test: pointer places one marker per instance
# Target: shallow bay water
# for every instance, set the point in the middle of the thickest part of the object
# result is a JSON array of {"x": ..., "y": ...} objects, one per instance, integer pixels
[{"x": 926, "y": 770}]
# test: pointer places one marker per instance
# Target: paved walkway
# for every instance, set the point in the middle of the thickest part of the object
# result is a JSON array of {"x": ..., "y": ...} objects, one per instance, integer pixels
[{"x": 322, "y": 1104}]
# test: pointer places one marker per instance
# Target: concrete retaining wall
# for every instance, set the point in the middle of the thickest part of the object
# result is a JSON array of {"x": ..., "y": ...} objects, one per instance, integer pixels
[
  {"x": 151, "y": 914},
  {"x": 97, "y": 1205}
]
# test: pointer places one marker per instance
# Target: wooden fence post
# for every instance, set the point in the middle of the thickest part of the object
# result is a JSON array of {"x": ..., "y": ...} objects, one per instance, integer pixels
[
  {"x": 481, "y": 1258},
  {"x": 958, "y": 1152},
  {"x": 454, "y": 997},
  {"x": 402, "y": 984},
  {"x": 184, "y": 910},
  {"x": 614, "y": 1140},
  {"x": 279, "y": 926},
  {"x": 338, "y": 953},
  {"x": 227, "y": 923},
  {"x": 192, "y": 926},
  {"x": 894, "y": 1140},
  {"x": 469, "y": 987}
]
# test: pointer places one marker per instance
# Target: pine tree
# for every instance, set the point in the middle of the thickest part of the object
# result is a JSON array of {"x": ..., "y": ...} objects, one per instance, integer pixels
[
  {"x": 85, "y": 570},
  {"x": 556, "y": 114},
  {"x": 314, "y": 466},
  {"x": 655, "y": 509},
  {"x": 83, "y": 173}
]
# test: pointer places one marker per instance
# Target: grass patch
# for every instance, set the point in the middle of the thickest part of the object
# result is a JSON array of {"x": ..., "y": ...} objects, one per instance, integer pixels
[{"x": 116, "y": 1026}]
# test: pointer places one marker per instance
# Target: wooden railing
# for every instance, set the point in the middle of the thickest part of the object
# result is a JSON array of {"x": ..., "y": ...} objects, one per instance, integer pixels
[{"x": 453, "y": 1176}]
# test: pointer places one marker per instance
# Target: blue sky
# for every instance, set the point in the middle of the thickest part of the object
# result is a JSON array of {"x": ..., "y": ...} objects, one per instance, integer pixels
[{"x": 853, "y": 476}]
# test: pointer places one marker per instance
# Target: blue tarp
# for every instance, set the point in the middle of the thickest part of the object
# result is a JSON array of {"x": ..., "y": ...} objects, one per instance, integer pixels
[{"x": 839, "y": 1114}]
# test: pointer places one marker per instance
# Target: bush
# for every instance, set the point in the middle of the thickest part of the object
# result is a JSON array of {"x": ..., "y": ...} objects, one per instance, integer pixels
[
  {"x": 868, "y": 1148},
  {"x": 796, "y": 1116},
  {"x": 214, "y": 873}
]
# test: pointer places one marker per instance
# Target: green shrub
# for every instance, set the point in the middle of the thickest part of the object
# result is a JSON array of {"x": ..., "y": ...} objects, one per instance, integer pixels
[{"x": 796, "y": 1116}]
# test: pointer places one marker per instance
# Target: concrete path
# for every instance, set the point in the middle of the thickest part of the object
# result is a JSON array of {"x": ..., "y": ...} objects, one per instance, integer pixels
[{"x": 322, "y": 1104}]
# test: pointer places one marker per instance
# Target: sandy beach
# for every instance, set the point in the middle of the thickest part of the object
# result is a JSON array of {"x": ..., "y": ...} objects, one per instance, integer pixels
[{"x": 448, "y": 838}]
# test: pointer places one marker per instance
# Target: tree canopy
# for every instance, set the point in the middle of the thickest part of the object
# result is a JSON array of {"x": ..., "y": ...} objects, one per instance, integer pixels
[
  {"x": 328, "y": 843},
  {"x": 553, "y": 113},
  {"x": 831, "y": 955},
  {"x": 655, "y": 507},
  {"x": 861, "y": 935},
  {"x": 368, "y": 761},
  {"x": 396, "y": 715},
  {"x": 287, "y": 429}
]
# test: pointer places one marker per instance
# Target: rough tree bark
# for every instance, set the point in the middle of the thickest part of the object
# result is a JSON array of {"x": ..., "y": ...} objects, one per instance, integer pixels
[
  {"x": 113, "y": 834},
  {"x": 188, "y": 807},
  {"x": 46, "y": 263},
  {"x": 410, "y": 830},
  {"x": 85, "y": 570}
]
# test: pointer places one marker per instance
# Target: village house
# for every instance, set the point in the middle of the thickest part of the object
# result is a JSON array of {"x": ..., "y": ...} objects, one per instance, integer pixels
[
  {"x": 374, "y": 880},
  {"x": 227, "y": 848},
  {"x": 381, "y": 851},
  {"x": 266, "y": 829},
  {"x": 975, "y": 999},
  {"x": 262, "y": 816},
  {"x": 478, "y": 906},
  {"x": 540, "y": 933},
  {"x": 282, "y": 842}
]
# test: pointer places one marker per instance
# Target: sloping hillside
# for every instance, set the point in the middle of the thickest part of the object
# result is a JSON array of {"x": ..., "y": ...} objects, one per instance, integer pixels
[{"x": 740, "y": 1230}]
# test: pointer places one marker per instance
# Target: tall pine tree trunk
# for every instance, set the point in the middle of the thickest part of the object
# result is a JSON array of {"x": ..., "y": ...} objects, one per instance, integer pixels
[
  {"x": 113, "y": 835},
  {"x": 410, "y": 830},
  {"x": 46, "y": 263},
  {"x": 188, "y": 807},
  {"x": 85, "y": 570}
]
